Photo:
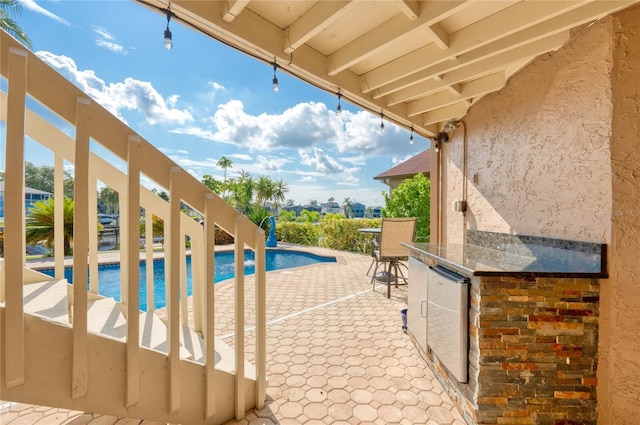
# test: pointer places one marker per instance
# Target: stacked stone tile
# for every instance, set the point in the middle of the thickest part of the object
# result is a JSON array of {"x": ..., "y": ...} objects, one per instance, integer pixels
[{"x": 533, "y": 352}]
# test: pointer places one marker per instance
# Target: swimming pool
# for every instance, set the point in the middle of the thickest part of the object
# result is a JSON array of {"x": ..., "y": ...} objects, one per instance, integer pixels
[{"x": 276, "y": 259}]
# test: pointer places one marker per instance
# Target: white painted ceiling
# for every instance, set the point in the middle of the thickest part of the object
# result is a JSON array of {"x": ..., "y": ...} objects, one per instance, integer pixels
[{"x": 419, "y": 62}]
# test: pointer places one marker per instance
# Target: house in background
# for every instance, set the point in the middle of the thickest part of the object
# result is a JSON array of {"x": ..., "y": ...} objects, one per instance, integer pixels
[
  {"x": 31, "y": 196},
  {"x": 358, "y": 210},
  {"x": 420, "y": 163},
  {"x": 330, "y": 208}
]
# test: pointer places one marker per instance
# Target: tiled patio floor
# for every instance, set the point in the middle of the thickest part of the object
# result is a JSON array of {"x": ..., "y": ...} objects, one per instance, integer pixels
[{"x": 336, "y": 354}]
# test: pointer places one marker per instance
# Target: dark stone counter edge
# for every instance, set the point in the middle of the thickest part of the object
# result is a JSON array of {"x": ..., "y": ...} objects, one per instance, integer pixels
[{"x": 517, "y": 274}]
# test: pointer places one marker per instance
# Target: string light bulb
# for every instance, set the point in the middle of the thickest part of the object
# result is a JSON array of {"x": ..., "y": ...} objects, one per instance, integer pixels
[
  {"x": 276, "y": 87},
  {"x": 381, "y": 122},
  {"x": 339, "y": 107},
  {"x": 411, "y": 136},
  {"x": 168, "y": 39}
]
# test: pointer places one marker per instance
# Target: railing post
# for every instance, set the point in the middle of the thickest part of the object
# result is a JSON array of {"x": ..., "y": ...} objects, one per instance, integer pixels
[
  {"x": 173, "y": 289},
  {"x": 80, "y": 370},
  {"x": 239, "y": 317},
  {"x": 261, "y": 319},
  {"x": 14, "y": 215},
  {"x": 133, "y": 272},
  {"x": 209, "y": 318}
]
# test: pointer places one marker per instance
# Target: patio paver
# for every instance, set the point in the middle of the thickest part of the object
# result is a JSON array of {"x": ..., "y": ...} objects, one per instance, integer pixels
[{"x": 336, "y": 354}]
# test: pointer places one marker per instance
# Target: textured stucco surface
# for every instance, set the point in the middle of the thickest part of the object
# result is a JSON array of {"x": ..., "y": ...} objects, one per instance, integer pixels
[
  {"x": 557, "y": 154},
  {"x": 540, "y": 149},
  {"x": 619, "y": 370}
]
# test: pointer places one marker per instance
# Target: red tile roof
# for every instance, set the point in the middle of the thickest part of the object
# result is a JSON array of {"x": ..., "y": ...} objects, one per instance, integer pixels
[{"x": 420, "y": 163}]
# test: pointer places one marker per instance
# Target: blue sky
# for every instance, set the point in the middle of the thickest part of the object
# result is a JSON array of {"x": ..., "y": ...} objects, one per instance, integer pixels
[{"x": 203, "y": 100}]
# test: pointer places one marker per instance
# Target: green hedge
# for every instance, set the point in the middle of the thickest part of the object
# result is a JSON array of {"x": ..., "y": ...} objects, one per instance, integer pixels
[
  {"x": 341, "y": 234},
  {"x": 299, "y": 233}
]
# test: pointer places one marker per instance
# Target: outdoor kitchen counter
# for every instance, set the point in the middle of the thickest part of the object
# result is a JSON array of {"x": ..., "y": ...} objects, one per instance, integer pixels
[
  {"x": 576, "y": 260},
  {"x": 531, "y": 325}
]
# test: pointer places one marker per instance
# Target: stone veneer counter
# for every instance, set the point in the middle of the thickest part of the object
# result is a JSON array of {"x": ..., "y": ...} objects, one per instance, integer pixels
[
  {"x": 533, "y": 328},
  {"x": 528, "y": 260}
]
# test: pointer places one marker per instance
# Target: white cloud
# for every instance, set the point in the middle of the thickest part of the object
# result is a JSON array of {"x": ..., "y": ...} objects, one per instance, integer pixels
[
  {"x": 240, "y": 156},
  {"x": 107, "y": 40},
  {"x": 35, "y": 7},
  {"x": 302, "y": 126},
  {"x": 129, "y": 94},
  {"x": 322, "y": 162}
]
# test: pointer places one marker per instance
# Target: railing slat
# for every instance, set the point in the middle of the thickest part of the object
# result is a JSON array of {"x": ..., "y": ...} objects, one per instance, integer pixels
[
  {"x": 93, "y": 234},
  {"x": 80, "y": 368},
  {"x": 197, "y": 277},
  {"x": 148, "y": 247},
  {"x": 209, "y": 319},
  {"x": 184, "y": 301},
  {"x": 173, "y": 281},
  {"x": 239, "y": 318},
  {"x": 58, "y": 215},
  {"x": 15, "y": 214},
  {"x": 261, "y": 320},
  {"x": 133, "y": 274}
]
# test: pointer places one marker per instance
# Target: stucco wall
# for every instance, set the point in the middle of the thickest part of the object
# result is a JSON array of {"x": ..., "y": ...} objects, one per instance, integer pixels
[
  {"x": 540, "y": 149},
  {"x": 619, "y": 370},
  {"x": 557, "y": 154}
]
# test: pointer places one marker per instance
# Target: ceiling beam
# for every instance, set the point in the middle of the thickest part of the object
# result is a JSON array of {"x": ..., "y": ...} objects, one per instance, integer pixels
[
  {"x": 502, "y": 24},
  {"x": 390, "y": 31},
  {"x": 451, "y": 112},
  {"x": 555, "y": 25},
  {"x": 316, "y": 19},
  {"x": 464, "y": 69},
  {"x": 410, "y": 8},
  {"x": 479, "y": 87},
  {"x": 233, "y": 8},
  {"x": 439, "y": 35}
]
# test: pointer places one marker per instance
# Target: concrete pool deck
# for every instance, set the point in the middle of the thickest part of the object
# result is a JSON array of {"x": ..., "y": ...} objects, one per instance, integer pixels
[{"x": 336, "y": 354}]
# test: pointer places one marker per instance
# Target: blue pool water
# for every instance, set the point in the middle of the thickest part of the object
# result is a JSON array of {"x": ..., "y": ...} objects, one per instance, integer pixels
[{"x": 109, "y": 274}]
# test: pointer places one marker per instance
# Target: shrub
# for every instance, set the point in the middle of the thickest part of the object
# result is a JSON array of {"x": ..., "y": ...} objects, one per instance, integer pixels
[
  {"x": 343, "y": 234},
  {"x": 300, "y": 233},
  {"x": 411, "y": 199}
]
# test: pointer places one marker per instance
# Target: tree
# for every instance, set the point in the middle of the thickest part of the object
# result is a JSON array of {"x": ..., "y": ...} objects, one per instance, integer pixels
[
  {"x": 110, "y": 198},
  {"x": 265, "y": 189},
  {"x": 225, "y": 163},
  {"x": 162, "y": 194},
  {"x": 331, "y": 200},
  {"x": 10, "y": 9},
  {"x": 214, "y": 185},
  {"x": 40, "y": 178},
  {"x": 411, "y": 199},
  {"x": 347, "y": 204},
  {"x": 280, "y": 190},
  {"x": 40, "y": 226}
]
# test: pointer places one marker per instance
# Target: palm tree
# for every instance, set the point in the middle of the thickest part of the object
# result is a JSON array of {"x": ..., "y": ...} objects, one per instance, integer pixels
[
  {"x": 347, "y": 204},
  {"x": 40, "y": 227},
  {"x": 9, "y": 9},
  {"x": 265, "y": 189},
  {"x": 225, "y": 163},
  {"x": 281, "y": 188}
]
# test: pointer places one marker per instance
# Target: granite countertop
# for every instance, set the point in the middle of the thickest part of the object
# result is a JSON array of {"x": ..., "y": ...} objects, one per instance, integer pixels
[{"x": 528, "y": 260}]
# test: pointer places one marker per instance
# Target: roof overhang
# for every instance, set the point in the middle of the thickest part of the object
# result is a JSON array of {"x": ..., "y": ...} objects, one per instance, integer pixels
[{"x": 421, "y": 63}]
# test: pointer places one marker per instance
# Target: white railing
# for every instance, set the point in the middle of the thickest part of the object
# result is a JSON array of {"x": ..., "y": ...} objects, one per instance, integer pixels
[{"x": 30, "y": 79}]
